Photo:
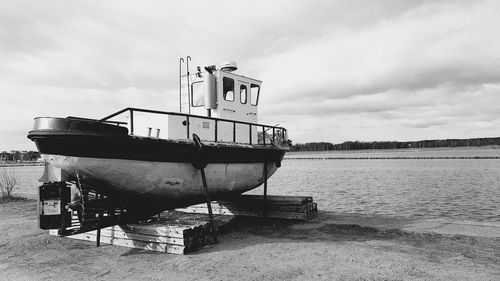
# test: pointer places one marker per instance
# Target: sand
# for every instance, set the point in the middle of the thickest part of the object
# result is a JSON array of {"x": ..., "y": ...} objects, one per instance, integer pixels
[{"x": 251, "y": 249}]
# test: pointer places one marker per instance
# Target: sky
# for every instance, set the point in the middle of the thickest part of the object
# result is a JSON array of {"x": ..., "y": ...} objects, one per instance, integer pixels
[{"x": 331, "y": 70}]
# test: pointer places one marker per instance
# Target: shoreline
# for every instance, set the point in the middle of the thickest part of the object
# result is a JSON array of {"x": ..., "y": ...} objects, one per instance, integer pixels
[
  {"x": 22, "y": 164},
  {"x": 444, "y": 225},
  {"x": 328, "y": 248}
]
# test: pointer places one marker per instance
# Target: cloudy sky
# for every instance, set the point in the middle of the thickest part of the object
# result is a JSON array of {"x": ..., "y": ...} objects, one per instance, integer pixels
[{"x": 332, "y": 70}]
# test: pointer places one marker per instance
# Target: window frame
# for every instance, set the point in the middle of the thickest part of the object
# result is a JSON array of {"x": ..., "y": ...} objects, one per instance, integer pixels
[
  {"x": 251, "y": 94},
  {"x": 192, "y": 95},
  {"x": 246, "y": 93},
  {"x": 224, "y": 94}
]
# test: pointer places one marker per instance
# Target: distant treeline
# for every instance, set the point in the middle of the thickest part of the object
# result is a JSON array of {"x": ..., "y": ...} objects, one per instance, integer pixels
[
  {"x": 19, "y": 156},
  {"x": 354, "y": 145}
]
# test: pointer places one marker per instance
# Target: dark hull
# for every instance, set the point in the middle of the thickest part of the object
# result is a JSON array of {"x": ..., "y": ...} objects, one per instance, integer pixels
[
  {"x": 81, "y": 138},
  {"x": 149, "y": 149}
]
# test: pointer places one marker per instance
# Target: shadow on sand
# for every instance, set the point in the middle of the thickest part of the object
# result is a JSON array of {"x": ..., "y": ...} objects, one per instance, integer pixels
[
  {"x": 241, "y": 232},
  {"x": 236, "y": 233}
]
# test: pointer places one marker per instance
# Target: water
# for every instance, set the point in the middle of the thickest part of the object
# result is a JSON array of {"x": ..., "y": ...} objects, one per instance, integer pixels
[
  {"x": 27, "y": 180},
  {"x": 491, "y": 151},
  {"x": 463, "y": 189}
]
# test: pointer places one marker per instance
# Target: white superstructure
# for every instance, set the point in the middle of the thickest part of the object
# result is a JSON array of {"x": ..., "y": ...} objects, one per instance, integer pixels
[{"x": 213, "y": 92}]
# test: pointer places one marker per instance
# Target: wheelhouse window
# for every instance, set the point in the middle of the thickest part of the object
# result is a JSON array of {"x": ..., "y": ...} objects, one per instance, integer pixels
[
  {"x": 254, "y": 94},
  {"x": 243, "y": 94},
  {"x": 228, "y": 89},
  {"x": 197, "y": 94}
]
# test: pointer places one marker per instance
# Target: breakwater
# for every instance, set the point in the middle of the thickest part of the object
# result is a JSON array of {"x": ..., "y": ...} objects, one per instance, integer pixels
[{"x": 392, "y": 157}]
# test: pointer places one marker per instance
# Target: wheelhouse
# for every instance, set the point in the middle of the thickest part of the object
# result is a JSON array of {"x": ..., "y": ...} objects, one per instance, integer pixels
[{"x": 216, "y": 104}]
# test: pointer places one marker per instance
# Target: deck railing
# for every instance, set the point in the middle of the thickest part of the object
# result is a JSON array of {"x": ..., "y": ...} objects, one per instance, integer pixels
[{"x": 266, "y": 135}]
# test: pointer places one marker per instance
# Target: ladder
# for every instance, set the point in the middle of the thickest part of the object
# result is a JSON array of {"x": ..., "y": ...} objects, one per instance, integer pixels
[
  {"x": 186, "y": 80},
  {"x": 185, "y": 91},
  {"x": 184, "y": 99}
]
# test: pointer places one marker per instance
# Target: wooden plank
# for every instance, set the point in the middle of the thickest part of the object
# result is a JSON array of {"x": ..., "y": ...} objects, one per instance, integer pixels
[
  {"x": 151, "y": 246},
  {"x": 250, "y": 213},
  {"x": 146, "y": 245},
  {"x": 275, "y": 199},
  {"x": 298, "y": 211},
  {"x": 140, "y": 237},
  {"x": 190, "y": 235},
  {"x": 305, "y": 199},
  {"x": 157, "y": 229},
  {"x": 256, "y": 207}
]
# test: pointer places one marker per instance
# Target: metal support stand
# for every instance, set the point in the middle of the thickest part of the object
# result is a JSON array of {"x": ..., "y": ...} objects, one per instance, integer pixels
[
  {"x": 209, "y": 204},
  {"x": 200, "y": 164},
  {"x": 98, "y": 238},
  {"x": 265, "y": 189}
]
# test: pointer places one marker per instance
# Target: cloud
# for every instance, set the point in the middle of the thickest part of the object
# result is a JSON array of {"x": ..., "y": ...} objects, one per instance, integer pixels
[
  {"x": 332, "y": 70},
  {"x": 434, "y": 66},
  {"x": 430, "y": 113},
  {"x": 426, "y": 47}
]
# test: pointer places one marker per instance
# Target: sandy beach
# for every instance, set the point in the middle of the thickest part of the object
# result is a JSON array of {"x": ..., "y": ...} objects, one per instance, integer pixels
[{"x": 252, "y": 249}]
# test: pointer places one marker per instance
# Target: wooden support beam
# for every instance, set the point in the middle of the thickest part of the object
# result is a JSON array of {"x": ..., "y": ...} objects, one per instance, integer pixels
[
  {"x": 163, "y": 236},
  {"x": 282, "y": 207}
]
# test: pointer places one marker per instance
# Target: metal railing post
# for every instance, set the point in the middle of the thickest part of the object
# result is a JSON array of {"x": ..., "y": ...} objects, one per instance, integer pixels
[
  {"x": 187, "y": 126},
  {"x": 274, "y": 129},
  {"x": 215, "y": 130},
  {"x": 250, "y": 133},
  {"x": 264, "y": 135},
  {"x": 131, "y": 122},
  {"x": 234, "y": 131}
]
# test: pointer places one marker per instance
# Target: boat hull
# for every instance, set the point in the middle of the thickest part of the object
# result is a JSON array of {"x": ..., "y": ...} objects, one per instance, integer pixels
[
  {"x": 159, "y": 170},
  {"x": 174, "y": 184}
]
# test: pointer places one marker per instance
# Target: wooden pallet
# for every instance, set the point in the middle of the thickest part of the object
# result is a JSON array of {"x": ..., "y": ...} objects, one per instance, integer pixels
[
  {"x": 162, "y": 236},
  {"x": 281, "y": 207},
  {"x": 178, "y": 235}
]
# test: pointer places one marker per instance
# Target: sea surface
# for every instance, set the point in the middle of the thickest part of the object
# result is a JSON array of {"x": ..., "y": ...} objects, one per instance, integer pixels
[{"x": 455, "y": 189}]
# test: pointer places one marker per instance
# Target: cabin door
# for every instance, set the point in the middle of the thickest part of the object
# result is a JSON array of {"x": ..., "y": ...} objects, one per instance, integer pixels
[
  {"x": 248, "y": 112},
  {"x": 228, "y": 106}
]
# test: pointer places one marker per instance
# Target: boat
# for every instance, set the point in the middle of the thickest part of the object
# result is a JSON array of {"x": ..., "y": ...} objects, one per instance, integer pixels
[{"x": 150, "y": 160}]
